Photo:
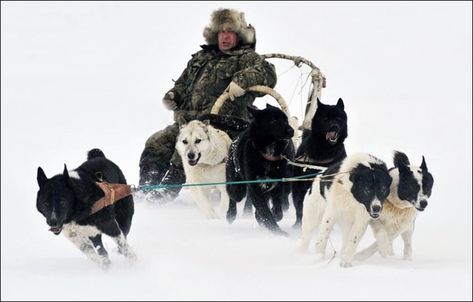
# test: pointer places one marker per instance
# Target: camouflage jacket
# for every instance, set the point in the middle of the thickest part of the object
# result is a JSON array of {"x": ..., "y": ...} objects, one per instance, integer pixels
[{"x": 210, "y": 71}]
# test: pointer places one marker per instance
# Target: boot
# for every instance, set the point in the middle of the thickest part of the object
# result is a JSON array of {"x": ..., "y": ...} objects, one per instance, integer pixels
[
  {"x": 173, "y": 176},
  {"x": 153, "y": 166}
]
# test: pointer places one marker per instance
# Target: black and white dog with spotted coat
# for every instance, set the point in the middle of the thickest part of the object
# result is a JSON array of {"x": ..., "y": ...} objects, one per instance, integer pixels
[
  {"x": 409, "y": 194},
  {"x": 66, "y": 201},
  {"x": 350, "y": 193}
]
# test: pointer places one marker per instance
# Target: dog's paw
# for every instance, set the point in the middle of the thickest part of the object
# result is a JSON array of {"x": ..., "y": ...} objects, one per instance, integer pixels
[
  {"x": 231, "y": 216},
  {"x": 345, "y": 264},
  {"x": 386, "y": 252},
  {"x": 104, "y": 263},
  {"x": 131, "y": 257},
  {"x": 361, "y": 256},
  {"x": 297, "y": 225},
  {"x": 211, "y": 215},
  {"x": 385, "y": 248},
  {"x": 248, "y": 211},
  {"x": 303, "y": 248},
  {"x": 285, "y": 205},
  {"x": 407, "y": 257},
  {"x": 277, "y": 215},
  {"x": 319, "y": 257},
  {"x": 282, "y": 233}
]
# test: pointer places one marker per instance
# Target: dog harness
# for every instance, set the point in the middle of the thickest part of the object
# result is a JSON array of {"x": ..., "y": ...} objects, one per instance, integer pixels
[{"x": 113, "y": 193}]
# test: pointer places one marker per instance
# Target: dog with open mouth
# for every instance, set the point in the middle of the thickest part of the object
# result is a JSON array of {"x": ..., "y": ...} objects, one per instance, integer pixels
[
  {"x": 204, "y": 150},
  {"x": 322, "y": 146},
  {"x": 350, "y": 193},
  {"x": 72, "y": 204},
  {"x": 409, "y": 194}
]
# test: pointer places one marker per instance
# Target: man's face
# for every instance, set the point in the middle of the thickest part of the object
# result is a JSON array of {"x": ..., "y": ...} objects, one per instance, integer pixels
[{"x": 227, "y": 40}]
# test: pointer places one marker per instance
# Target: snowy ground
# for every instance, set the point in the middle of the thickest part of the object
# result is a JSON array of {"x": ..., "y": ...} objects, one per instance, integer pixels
[
  {"x": 183, "y": 256},
  {"x": 81, "y": 75}
]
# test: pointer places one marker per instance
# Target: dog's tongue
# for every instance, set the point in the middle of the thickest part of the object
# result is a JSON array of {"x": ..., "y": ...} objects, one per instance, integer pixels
[
  {"x": 332, "y": 135},
  {"x": 55, "y": 230}
]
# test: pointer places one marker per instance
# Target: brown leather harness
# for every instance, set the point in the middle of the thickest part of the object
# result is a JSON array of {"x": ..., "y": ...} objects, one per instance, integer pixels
[
  {"x": 270, "y": 157},
  {"x": 305, "y": 159},
  {"x": 113, "y": 193}
]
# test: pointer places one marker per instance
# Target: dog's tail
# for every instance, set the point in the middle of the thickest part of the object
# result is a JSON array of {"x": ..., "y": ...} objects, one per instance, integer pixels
[
  {"x": 225, "y": 122},
  {"x": 95, "y": 153}
]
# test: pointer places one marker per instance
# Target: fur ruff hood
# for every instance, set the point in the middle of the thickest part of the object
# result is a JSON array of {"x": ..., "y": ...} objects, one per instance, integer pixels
[{"x": 229, "y": 19}]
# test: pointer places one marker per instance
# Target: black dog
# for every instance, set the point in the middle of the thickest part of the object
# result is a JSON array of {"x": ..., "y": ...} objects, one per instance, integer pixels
[
  {"x": 321, "y": 146},
  {"x": 257, "y": 154},
  {"x": 66, "y": 201}
]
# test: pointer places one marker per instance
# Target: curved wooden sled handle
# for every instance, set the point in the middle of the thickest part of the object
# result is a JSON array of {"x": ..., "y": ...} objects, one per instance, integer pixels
[{"x": 258, "y": 88}]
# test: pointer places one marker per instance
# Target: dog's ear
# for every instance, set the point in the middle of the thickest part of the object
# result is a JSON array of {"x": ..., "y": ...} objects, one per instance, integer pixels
[
  {"x": 205, "y": 125},
  {"x": 99, "y": 176},
  {"x": 206, "y": 122},
  {"x": 181, "y": 120},
  {"x": 340, "y": 104},
  {"x": 253, "y": 110},
  {"x": 400, "y": 159},
  {"x": 41, "y": 177},
  {"x": 423, "y": 166},
  {"x": 65, "y": 173},
  {"x": 269, "y": 106}
]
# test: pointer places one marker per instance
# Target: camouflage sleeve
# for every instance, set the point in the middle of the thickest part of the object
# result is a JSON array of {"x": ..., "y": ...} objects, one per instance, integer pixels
[
  {"x": 254, "y": 70},
  {"x": 182, "y": 82}
]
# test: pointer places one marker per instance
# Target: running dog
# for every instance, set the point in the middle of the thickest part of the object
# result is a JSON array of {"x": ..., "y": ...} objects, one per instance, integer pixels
[
  {"x": 204, "y": 150},
  {"x": 350, "y": 193},
  {"x": 410, "y": 190},
  {"x": 257, "y": 154},
  {"x": 69, "y": 202},
  {"x": 322, "y": 146}
]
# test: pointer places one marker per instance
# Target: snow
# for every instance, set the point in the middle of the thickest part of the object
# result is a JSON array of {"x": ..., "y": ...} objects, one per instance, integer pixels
[{"x": 80, "y": 75}]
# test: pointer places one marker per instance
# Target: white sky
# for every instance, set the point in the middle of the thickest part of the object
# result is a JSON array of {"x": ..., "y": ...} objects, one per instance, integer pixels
[{"x": 80, "y": 75}]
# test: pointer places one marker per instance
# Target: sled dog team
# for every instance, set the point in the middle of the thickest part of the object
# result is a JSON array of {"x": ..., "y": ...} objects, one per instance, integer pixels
[{"x": 351, "y": 191}]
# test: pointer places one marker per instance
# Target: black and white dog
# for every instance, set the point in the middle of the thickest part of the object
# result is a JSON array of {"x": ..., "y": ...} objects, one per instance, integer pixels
[
  {"x": 258, "y": 153},
  {"x": 67, "y": 200},
  {"x": 410, "y": 190},
  {"x": 350, "y": 193},
  {"x": 322, "y": 146}
]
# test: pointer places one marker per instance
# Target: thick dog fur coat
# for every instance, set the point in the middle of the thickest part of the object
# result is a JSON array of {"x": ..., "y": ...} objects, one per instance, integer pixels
[
  {"x": 204, "y": 150},
  {"x": 257, "y": 154},
  {"x": 350, "y": 193},
  {"x": 409, "y": 193},
  {"x": 65, "y": 200},
  {"x": 322, "y": 146}
]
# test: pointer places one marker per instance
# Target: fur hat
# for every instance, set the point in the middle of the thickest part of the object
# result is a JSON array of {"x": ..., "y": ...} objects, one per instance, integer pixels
[{"x": 229, "y": 19}]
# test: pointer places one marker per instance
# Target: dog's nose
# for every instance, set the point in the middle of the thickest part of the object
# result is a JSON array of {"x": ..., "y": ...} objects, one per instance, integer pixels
[
  {"x": 191, "y": 155},
  {"x": 290, "y": 131},
  {"x": 423, "y": 204},
  {"x": 376, "y": 208},
  {"x": 52, "y": 222},
  {"x": 334, "y": 127}
]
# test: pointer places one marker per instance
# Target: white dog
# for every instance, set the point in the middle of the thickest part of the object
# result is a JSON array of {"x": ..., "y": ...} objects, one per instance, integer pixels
[
  {"x": 410, "y": 190},
  {"x": 203, "y": 150},
  {"x": 350, "y": 193}
]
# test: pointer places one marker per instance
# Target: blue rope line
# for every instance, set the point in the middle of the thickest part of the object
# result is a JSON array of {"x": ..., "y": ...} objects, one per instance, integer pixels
[{"x": 154, "y": 187}]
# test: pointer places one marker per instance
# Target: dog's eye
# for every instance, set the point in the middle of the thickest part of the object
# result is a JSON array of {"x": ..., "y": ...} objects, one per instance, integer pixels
[
  {"x": 184, "y": 142},
  {"x": 383, "y": 191},
  {"x": 198, "y": 140}
]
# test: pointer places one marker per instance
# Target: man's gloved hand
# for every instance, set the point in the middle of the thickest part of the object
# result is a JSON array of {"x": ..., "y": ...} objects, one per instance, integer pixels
[
  {"x": 169, "y": 101},
  {"x": 234, "y": 90}
]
